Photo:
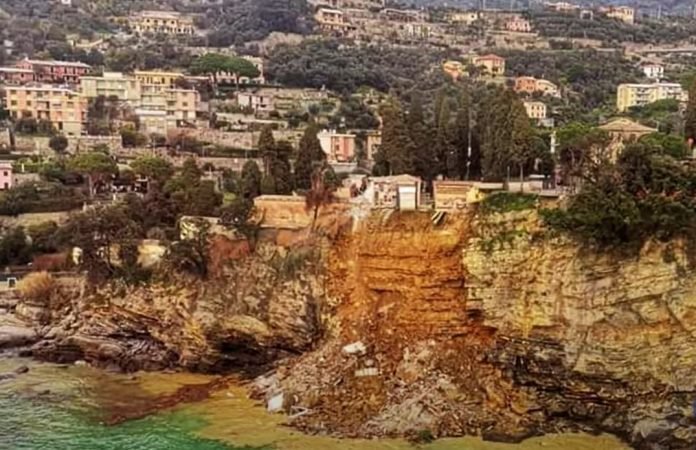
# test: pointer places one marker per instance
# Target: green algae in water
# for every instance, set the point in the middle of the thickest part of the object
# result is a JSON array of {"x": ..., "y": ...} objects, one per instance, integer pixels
[{"x": 33, "y": 425}]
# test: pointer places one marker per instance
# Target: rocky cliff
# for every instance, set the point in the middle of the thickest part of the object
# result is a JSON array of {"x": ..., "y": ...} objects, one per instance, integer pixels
[
  {"x": 491, "y": 325},
  {"x": 263, "y": 308}
]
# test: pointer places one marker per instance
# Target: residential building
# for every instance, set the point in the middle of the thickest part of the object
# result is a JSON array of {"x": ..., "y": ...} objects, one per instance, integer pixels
[
  {"x": 63, "y": 72},
  {"x": 338, "y": 147},
  {"x": 454, "y": 69},
  {"x": 535, "y": 110},
  {"x": 111, "y": 84},
  {"x": 357, "y": 4},
  {"x": 465, "y": 17},
  {"x": 518, "y": 25},
  {"x": 401, "y": 192},
  {"x": 637, "y": 94},
  {"x": 332, "y": 20},
  {"x": 160, "y": 78},
  {"x": 162, "y": 22},
  {"x": 5, "y": 175},
  {"x": 15, "y": 76},
  {"x": 258, "y": 63},
  {"x": 623, "y": 13},
  {"x": 64, "y": 108},
  {"x": 654, "y": 71},
  {"x": 373, "y": 140},
  {"x": 178, "y": 104},
  {"x": 529, "y": 85},
  {"x": 623, "y": 130},
  {"x": 561, "y": 6},
  {"x": 257, "y": 101},
  {"x": 494, "y": 64},
  {"x": 404, "y": 15}
]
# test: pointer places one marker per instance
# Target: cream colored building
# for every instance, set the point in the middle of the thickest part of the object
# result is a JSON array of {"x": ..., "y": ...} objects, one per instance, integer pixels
[
  {"x": 494, "y": 64},
  {"x": 162, "y": 22},
  {"x": 111, "y": 84},
  {"x": 637, "y": 94},
  {"x": 332, "y": 20},
  {"x": 535, "y": 110},
  {"x": 64, "y": 108},
  {"x": 466, "y": 17}
]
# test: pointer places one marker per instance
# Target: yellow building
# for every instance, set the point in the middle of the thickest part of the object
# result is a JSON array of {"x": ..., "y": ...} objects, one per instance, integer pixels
[
  {"x": 454, "y": 69},
  {"x": 64, "y": 108},
  {"x": 162, "y": 22},
  {"x": 535, "y": 110},
  {"x": 494, "y": 64},
  {"x": 634, "y": 94},
  {"x": 332, "y": 20},
  {"x": 111, "y": 84},
  {"x": 157, "y": 77},
  {"x": 623, "y": 13}
]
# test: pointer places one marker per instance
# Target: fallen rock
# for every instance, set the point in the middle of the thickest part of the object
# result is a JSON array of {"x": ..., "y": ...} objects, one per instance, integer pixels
[{"x": 16, "y": 336}]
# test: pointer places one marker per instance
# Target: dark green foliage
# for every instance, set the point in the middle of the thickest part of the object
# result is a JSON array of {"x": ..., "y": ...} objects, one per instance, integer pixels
[
  {"x": 645, "y": 194},
  {"x": 690, "y": 116},
  {"x": 154, "y": 168},
  {"x": 326, "y": 63},
  {"x": 102, "y": 113},
  {"x": 14, "y": 247},
  {"x": 354, "y": 114},
  {"x": 251, "y": 180},
  {"x": 671, "y": 144},
  {"x": 39, "y": 197},
  {"x": 191, "y": 255},
  {"x": 503, "y": 202},
  {"x": 309, "y": 156},
  {"x": 396, "y": 153},
  {"x": 237, "y": 215},
  {"x": 58, "y": 143}
]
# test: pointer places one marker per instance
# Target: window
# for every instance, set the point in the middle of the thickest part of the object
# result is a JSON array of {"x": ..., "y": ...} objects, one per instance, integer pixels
[
  {"x": 6, "y": 185},
  {"x": 13, "y": 103},
  {"x": 4, "y": 173}
]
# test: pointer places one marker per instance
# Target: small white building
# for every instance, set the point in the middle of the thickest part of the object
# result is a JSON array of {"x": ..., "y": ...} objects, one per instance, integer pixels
[
  {"x": 654, "y": 71},
  {"x": 402, "y": 192}
]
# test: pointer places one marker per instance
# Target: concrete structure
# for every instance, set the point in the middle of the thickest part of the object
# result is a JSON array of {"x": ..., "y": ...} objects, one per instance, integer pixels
[
  {"x": 162, "y": 22},
  {"x": 15, "y": 76},
  {"x": 535, "y": 110},
  {"x": 111, "y": 84},
  {"x": 338, "y": 147},
  {"x": 178, "y": 105},
  {"x": 6, "y": 179},
  {"x": 623, "y": 130},
  {"x": 373, "y": 140},
  {"x": 453, "y": 196},
  {"x": 257, "y": 101},
  {"x": 654, "y": 71},
  {"x": 494, "y": 64},
  {"x": 518, "y": 25},
  {"x": 64, "y": 108},
  {"x": 401, "y": 192},
  {"x": 636, "y": 94},
  {"x": 55, "y": 71},
  {"x": 623, "y": 13},
  {"x": 529, "y": 85}
]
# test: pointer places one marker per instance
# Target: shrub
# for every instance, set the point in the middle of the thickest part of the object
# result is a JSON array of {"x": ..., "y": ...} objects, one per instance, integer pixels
[
  {"x": 37, "y": 287},
  {"x": 503, "y": 202}
]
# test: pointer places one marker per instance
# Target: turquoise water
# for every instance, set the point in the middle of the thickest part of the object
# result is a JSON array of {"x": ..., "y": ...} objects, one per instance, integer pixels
[
  {"x": 62, "y": 408},
  {"x": 58, "y": 409}
]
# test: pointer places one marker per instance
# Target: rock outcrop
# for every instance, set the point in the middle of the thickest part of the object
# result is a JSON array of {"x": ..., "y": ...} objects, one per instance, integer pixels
[{"x": 264, "y": 307}]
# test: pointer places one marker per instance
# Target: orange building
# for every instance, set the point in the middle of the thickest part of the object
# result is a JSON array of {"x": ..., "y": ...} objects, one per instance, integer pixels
[
  {"x": 529, "y": 85},
  {"x": 494, "y": 64},
  {"x": 338, "y": 147},
  {"x": 55, "y": 71},
  {"x": 64, "y": 108}
]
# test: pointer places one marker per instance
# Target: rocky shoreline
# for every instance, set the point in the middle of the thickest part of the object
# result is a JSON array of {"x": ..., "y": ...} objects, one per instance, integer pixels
[{"x": 417, "y": 331}]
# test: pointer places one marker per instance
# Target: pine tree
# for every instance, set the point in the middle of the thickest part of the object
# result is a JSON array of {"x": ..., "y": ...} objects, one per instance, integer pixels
[
  {"x": 395, "y": 155},
  {"x": 690, "y": 116},
  {"x": 309, "y": 156}
]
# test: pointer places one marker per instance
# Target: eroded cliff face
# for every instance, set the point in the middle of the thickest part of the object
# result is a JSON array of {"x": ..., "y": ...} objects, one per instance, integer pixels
[
  {"x": 260, "y": 310},
  {"x": 490, "y": 325},
  {"x": 601, "y": 337}
]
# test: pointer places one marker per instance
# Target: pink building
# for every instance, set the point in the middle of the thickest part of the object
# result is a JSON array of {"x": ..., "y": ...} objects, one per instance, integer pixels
[
  {"x": 55, "y": 71},
  {"x": 15, "y": 75},
  {"x": 5, "y": 175},
  {"x": 338, "y": 147}
]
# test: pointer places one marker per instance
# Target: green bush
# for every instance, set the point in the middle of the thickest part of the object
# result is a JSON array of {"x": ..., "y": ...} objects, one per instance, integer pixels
[{"x": 503, "y": 202}]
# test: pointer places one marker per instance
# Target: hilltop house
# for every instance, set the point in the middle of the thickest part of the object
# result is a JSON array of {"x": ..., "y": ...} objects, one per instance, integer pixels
[{"x": 494, "y": 64}]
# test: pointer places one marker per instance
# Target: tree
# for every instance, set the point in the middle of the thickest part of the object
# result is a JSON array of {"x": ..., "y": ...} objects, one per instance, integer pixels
[
  {"x": 58, "y": 143},
  {"x": 237, "y": 215},
  {"x": 690, "y": 116},
  {"x": 321, "y": 193},
  {"x": 192, "y": 254},
  {"x": 98, "y": 167},
  {"x": 443, "y": 140},
  {"x": 395, "y": 155},
  {"x": 153, "y": 168},
  {"x": 212, "y": 64},
  {"x": 465, "y": 158},
  {"x": 251, "y": 180},
  {"x": 309, "y": 156},
  {"x": 267, "y": 147},
  {"x": 424, "y": 162}
]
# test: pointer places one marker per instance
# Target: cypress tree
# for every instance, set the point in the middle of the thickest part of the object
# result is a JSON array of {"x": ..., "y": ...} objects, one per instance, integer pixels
[
  {"x": 423, "y": 156},
  {"x": 690, "y": 116},
  {"x": 309, "y": 156},
  {"x": 251, "y": 180},
  {"x": 267, "y": 147},
  {"x": 395, "y": 155},
  {"x": 461, "y": 135},
  {"x": 443, "y": 139}
]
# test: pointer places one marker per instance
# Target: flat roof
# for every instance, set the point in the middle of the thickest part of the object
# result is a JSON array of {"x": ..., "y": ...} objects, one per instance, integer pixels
[{"x": 56, "y": 63}]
